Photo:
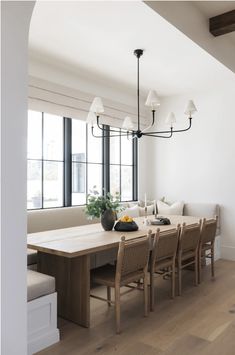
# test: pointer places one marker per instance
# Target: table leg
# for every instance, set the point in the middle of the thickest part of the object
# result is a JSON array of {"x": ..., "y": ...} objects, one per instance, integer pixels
[{"x": 72, "y": 285}]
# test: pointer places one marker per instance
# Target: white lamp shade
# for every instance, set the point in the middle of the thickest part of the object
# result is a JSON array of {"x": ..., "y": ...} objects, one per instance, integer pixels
[
  {"x": 128, "y": 124},
  {"x": 152, "y": 99},
  {"x": 91, "y": 118},
  {"x": 190, "y": 108},
  {"x": 171, "y": 119},
  {"x": 97, "y": 106}
]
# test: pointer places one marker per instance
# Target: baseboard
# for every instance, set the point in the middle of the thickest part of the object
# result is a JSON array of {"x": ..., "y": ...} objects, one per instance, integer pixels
[
  {"x": 228, "y": 252},
  {"x": 43, "y": 342}
]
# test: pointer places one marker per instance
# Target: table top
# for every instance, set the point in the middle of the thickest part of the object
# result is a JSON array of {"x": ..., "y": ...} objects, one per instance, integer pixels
[{"x": 88, "y": 239}]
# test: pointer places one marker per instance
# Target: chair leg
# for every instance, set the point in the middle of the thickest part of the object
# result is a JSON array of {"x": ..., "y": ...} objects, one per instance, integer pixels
[
  {"x": 109, "y": 295},
  {"x": 213, "y": 262},
  {"x": 145, "y": 296},
  {"x": 152, "y": 294},
  {"x": 199, "y": 265},
  {"x": 196, "y": 269},
  {"x": 117, "y": 308},
  {"x": 173, "y": 281},
  {"x": 179, "y": 277}
]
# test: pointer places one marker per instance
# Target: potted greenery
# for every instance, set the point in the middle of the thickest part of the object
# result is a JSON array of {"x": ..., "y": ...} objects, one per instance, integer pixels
[{"x": 105, "y": 207}]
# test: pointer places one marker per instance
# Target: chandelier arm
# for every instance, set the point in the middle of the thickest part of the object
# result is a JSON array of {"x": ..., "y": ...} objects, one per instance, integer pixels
[
  {"x": 173, "y": 131},
  {"x": 108, "y": 135},
  {"x": 105, "y": 129},
  {"x": 153, "y": 121},
  {"x": 158, "y": 136},
  {"x": 186, "y": 129}
]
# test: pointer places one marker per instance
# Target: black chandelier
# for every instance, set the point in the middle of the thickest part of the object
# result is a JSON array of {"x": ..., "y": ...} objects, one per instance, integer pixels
[{"x": 127, "y": 129}]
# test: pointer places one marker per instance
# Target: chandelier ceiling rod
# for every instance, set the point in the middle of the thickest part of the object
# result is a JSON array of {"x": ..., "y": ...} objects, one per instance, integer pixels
[{"x": 127, "y": 129}]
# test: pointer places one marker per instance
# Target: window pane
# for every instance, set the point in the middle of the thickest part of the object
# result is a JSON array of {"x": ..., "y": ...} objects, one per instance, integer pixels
[
  {"x": 53, "y": 137},
  {"x": 34, "y": 186},
  {"x": 78, "y": 184},
  {"x": 94, "y": 177},
  {"x": 78, "y": 140},
  {"x": 53, "y": 184},
  {"x": 126, "y": 150},
  {"x": 126, "y": 181},
  {"x": 94, "y": 146},
  {"x": 34, "y": 135},
  {"x": 115, "y": 150},
  {"x": 114, "y": 179}
]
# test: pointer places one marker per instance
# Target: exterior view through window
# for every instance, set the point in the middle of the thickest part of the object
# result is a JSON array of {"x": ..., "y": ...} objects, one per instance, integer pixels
[{"x": 65, "y": 162}]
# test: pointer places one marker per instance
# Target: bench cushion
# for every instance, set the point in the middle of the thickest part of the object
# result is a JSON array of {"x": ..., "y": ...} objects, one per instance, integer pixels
[
  {"x": 207, "y": 210},
  {"x": 56, "y": 218},
  {"x": 31, "y": 256},
  {"x": 39, "y": 285}
]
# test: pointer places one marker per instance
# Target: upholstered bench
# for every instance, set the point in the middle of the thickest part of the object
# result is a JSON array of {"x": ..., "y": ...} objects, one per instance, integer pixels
[{"x": 42, "y": 311}]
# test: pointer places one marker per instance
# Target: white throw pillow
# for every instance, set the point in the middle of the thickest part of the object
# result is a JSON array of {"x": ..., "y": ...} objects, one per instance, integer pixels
[
  {"x": 175, "y": 208},
  {"x": 150, "y": 210},
  {"x": 131, "y": 212}
]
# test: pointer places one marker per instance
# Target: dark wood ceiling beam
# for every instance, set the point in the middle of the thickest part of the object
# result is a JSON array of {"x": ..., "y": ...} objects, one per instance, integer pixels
[{"x": 222, "y": 24}]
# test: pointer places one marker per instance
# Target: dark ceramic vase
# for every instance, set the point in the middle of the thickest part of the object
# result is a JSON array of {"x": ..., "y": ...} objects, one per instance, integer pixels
[{"x": 108, "y": 219}]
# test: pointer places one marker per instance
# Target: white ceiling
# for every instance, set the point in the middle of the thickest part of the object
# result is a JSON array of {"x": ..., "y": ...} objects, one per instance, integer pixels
[{"x": 98, "y": 38}]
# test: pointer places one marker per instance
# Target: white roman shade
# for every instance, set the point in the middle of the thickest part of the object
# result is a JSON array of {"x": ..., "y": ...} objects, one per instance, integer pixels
[{"x": 59, "y": 100}]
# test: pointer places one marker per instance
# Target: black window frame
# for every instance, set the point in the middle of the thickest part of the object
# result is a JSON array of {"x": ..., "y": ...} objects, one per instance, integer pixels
[{"x": 68, "y": 161}]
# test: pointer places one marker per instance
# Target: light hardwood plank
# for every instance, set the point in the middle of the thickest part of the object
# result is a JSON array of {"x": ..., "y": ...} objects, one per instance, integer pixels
[{"x": 174, "y": 327}]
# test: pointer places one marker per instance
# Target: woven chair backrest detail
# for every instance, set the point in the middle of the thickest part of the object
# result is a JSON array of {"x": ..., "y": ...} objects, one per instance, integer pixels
[
  {"x": 165, "y": 245},
  {"x": 189, "y": 237},
  {"x": 208, "y": 231},
  {"x": 133, "y": 256}
]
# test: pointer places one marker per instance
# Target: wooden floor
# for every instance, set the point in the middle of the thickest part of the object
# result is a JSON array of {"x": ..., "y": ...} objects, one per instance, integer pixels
[{"x": 201, "y": 321}]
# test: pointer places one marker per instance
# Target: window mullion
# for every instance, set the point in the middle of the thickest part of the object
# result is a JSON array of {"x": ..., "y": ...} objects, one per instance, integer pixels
[
  {"x": 106, "y": 160},
  {"x": 67, "y": 162}
]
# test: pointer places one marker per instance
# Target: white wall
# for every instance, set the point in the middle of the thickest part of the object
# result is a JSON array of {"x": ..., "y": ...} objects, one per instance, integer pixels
[
  {"x": 14, "y": 54},
  {"x": 199, "y": 165}
]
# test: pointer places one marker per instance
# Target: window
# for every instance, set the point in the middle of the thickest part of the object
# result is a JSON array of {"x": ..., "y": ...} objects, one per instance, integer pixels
[
  {"x": 45, "y": 161},
  {"x": 65, "y": 162},
  {"x": 121, "y": 167}
]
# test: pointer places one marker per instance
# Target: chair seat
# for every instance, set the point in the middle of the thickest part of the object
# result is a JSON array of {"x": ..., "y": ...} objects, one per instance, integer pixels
[
  {"x": 39, "y": 285},
  {"x": 105, "y": 275}
]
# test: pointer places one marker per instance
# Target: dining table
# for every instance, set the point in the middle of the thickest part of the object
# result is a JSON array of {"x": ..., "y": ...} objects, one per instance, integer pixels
[{"x": 66, "y": 253}]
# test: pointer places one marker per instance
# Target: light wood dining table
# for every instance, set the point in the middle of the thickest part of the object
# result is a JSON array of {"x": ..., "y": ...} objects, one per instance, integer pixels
[{"x": 65, "y": 254}]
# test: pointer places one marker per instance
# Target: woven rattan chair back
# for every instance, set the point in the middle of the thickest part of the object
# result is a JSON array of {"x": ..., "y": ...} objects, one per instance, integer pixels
[
  {"x": 189, "y": 237},
  {"x": 165, "y": 245},
  {"x": 208, "y": 231},
  {"x": 132, "y": 256}
]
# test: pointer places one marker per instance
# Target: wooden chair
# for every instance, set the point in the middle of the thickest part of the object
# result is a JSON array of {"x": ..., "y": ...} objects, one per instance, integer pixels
[
  {"x": 207, "y": 245},
  {"x": 187, "y": 253},
  {"x": 131, "y": 267},
  {"x": 162, "y": 261}
]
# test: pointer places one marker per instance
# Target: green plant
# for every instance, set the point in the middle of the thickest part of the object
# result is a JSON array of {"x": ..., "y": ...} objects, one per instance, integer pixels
[{"x": 97, "y": 204}]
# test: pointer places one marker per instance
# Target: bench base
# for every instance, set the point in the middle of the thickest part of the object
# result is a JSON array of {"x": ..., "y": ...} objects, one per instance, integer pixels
[{"x": 42, "y": 323}]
